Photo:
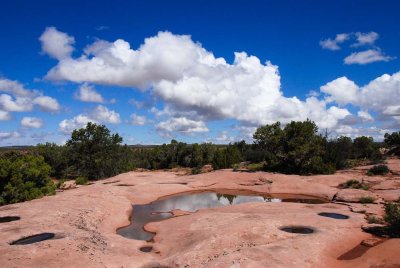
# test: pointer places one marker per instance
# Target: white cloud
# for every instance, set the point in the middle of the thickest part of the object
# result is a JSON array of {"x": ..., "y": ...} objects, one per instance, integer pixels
[
  {"x": 104, "y": 115},
  {"x": 20, "y": 99},
  {"x": 56, "y": 44},
  {"x": 182, "y": 125},
  {"x": 100, "y": 114},
  {"x": 88, "y": 93},
  {"x": 365, "y": 38},
  {"x": 68, "y": 125},
  {"x": 381, "y": 95},
  {"x": 31, "y": 122},
  {"x": 8, "y": 135},
  {"x": 333, "y": 44},
  {"x": 367, "y": 56},
  {"x": 47, "y": 103},
  {"x": 4, "y": 115},
  {"x": 137, "y": 120},
  {"x": 193, "y": 83}
]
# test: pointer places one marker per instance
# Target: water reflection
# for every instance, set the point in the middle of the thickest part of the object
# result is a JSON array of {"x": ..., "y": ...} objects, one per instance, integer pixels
[{"x": 160, "y": 209}]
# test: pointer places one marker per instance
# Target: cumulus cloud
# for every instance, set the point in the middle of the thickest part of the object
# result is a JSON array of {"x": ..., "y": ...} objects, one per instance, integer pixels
[
  {"x": 182, "y": 125},
  {"x": 4, "y": 116},
  {"x": 333, "y": 44},
  {"x": 194, "y": 85},
  {"x": 56, "y": 44},
  {"x": 9, "y": 135},
  {"x": 20, "y": 99},
  {"x": 381, "y": 95},
  {"x": 366, "y": 56},
  {"x": 31, "y": 122},
  {"x": 137, "y": 120},
  {"x": 88, "y": 93},
  {"x": 100, "y": 114},
  {"x": 365, "y": 38}
]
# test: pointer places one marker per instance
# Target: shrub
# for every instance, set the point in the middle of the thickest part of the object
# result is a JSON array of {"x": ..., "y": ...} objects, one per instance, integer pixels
[
  {"x": 367, "y": 200},
  {"x": 378, "y": 170},
  {"x": 354, "y": 184},
  {"x": 81, "y": 180},
  {"x": 374, "y": 219},
  {"x": 255, "y": 167},
  {"x": 23, "y": 178},
  {"x": 60, "y": 183},
  {"x": 392, "y": 215}
]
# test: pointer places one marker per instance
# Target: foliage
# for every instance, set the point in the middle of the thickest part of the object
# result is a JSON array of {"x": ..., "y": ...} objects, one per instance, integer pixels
[
  {"x": 339, "y": 151},
  {"x": 60, "y": 183},
  {"x": 96, "y": 153},
  {"x": 392, "y": 141},
  {"x": 354, "y": 184},
  {"x": 24, "y": 177},
  {"x": 364, "y": 147},
  {"x": 392, "y": 215},
  {"x": 373, "y": 219},
  {"x": 378, "y": 170},
  {"x": 367, "y": 200},
  {"x": 297, "y": 148},
  {"x": 56, "y": 156},
  {"x": 81, "y": 180},
  {"x": 256, "y": 166}
]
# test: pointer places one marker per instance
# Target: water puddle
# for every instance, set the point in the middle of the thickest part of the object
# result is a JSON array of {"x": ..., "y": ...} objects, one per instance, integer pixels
[
  {"x": 33, "y": 239},
  {"x": 297, "y": 230},
  {"x": 191, "y": 202},
  {"x": 9, "y": 218},
  {"x": 333, "y": 215}
]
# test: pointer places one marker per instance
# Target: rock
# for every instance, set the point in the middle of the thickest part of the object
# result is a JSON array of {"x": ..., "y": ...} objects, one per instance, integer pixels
[
  {"x": 371, "y": 242},
  {"x": 389, "y": 195},
  {"x": 207, "y": 168},
  {"x": 68, "y": 185},
  {"x": 354, "y": 195}
]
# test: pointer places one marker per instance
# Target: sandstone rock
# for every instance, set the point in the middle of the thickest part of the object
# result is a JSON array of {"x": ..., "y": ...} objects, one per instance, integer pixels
[
  {"x": 371, "y": 242},
  {"x": 354, "y": 195},
  {"x": 389, "y": 195},
  {"x": 68, "y": 185}
]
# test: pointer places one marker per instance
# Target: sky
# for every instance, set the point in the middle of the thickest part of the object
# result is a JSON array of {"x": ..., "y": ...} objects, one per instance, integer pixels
[{"x": 197, "y": 71}]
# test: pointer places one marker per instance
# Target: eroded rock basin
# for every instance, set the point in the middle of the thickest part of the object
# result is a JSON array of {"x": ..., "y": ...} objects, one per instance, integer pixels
[{"x": 191, "y": 202}]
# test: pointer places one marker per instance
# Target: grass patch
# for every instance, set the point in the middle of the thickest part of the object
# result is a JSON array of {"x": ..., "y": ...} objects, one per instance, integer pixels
[
  {"x": 255, "y": 167},
  {"x": 81, "y": 180},
  {"x": 354, "y": 184},
  {"x": 378, "y": 170},
  {"x": 374, "y": 219},
  {"x": 367, "y": 200}
]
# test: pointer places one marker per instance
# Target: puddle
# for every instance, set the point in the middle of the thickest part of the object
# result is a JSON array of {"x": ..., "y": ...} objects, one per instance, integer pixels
[
  {"x": 146, "y": 249},
  {"x": 297, "y": 230},
  {"x": 334, "y": 215},
  {"x": 33, "y": 239},
  {"x": 9, "y": 218},
  {"x": 191, "y": 202}
]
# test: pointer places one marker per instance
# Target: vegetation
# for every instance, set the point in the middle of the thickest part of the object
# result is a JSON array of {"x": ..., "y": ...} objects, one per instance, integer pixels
[
  {"x": 392, "y": 215},
  {"x": 93, "y": 152},
  {"x": 354, "y": 184},
  {"x": 367, "y": 200},
  {"x": 81, "y": 180},
  {"x": 378, "y": 170},
  {"x": 23, "y": 178},
  {"x": 374, "y": 219},
  {"x": 392, "y": 141}
]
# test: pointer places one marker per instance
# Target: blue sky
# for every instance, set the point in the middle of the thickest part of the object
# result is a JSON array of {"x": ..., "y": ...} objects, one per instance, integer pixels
[{"x": 173, "y": 73}]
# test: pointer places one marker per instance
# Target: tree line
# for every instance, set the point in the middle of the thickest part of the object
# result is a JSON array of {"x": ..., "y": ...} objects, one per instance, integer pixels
[{"x": 94, "y": 152}]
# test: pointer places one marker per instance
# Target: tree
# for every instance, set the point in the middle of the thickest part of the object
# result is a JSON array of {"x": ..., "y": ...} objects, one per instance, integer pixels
[
  {"x": 24, "y": 177},
  {"x": 338, "y": 151},
  {"x": 392, "y": 141},
  {"x": 364, "y": 147},
  {"x": 56, "y": 156},
  {"x": 95, "y": 152}
]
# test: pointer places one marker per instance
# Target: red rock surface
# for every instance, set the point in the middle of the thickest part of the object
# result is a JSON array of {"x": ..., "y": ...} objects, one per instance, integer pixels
[{"x": 245, "y": 235}]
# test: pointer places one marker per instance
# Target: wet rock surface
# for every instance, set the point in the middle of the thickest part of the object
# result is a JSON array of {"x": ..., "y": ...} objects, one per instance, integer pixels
[{"x": 242, "y": 235}]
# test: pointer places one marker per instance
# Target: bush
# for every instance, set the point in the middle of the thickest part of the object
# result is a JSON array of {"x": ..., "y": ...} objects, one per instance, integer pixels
[
  {"x": 23, "y": 178},
  {"x": 354, "y": 184},
  {"x": 255, "y": 167},
  {"x": 378, "y": 170},
  {"x": 81, "y": 180},
  {"x": 60, "y": 183},
  {"x": 392, "y": 215},
  {"x": 374, "y": 219},
  {"x": 367, "y": 200}
]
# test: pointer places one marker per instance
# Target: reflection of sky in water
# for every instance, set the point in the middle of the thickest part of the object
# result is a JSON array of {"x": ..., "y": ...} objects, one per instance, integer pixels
[{"x": 143, "y": 214}]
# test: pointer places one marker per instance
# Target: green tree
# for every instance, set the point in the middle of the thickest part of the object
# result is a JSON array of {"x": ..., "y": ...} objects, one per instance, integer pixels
[
  {"x": 24, "y": 177},
  {"x": 392, "y": 141},
  {"x": 364, "y": 147},
  {"x": 95, "y": 152}
]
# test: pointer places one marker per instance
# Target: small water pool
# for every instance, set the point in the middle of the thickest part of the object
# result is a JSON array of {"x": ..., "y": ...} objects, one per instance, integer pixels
[{"x": 161, "y": 209}]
